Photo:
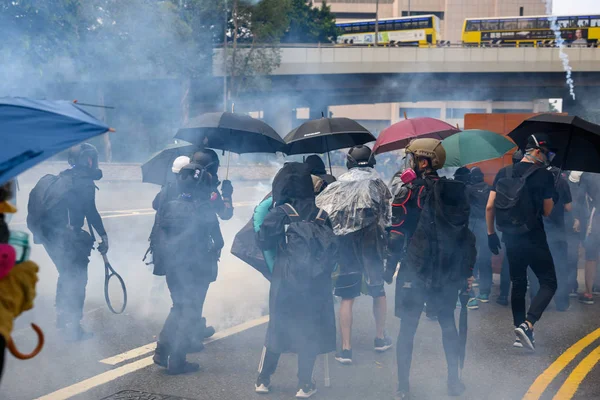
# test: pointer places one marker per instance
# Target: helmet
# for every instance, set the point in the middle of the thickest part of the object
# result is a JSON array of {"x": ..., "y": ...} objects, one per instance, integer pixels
[
  {"x": 208, "y": 159},
  {"x": 462, "y": 174},
  {"x": 193, "y": 178},
  {"x": 428, "y": 148},
  {"x": 81, "y": 155},
  {"x": 360, "y": 156},
  {"x": 179, "y": 163}
]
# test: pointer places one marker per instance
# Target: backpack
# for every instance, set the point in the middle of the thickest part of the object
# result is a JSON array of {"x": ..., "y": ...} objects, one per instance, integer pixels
[
  {"x": 47, "y": 207},
  {"x": 442, "y": 249},
  {"x": 310, "y": 247},
  {"x": 515, "y": 212},
  {"x": 478, "y": 198}
]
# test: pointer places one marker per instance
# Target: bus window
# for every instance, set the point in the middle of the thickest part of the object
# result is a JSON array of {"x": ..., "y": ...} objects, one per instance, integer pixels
[
  {"x": 423, "y": 24},
  {"x": 489, "y": 25},
  {"x": 509, "y": 24},
  {"x": 528, "y": 23},
  {"x": 595, "y": 22},
  {"x": 473, "y": 26},
  {"x": 347, "y": 29},
  {"x": 563, "y": 22},
  {"x": 583, "y": 22},
  {"x": 543, "y": 23},
  {"x": 364, "y": 27},
  {"x": 355, "y": 28},
  {"x": 389, "y": 26},
  {"x": 399, "y": 26}
]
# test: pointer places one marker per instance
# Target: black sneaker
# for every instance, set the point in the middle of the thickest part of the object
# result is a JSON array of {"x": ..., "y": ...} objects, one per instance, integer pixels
[
  {"x": 384, "y": 344},
  {"x": 455, "y": 388},
  {"x": 209, "y": 331},
  {"x": 161, "y": 356},
  {"x": 525, "y": 333},
  {"x": 263, "y": 385},
  {"x": 518, "y": 343},
  {"x": 502, "y": 300},
  {"x": 344, "y": 357},
  {"x": 306, "y": 391},
  {"x": 178, "y": 366},
  {"x": 586, "y": 298}
]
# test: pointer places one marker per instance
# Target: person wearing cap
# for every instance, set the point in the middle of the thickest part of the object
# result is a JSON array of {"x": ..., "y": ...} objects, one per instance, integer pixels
[{"x": 526, "y": 246}]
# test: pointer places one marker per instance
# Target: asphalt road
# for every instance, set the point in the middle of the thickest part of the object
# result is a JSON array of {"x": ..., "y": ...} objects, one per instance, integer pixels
[{"x": 493, "y": 370}]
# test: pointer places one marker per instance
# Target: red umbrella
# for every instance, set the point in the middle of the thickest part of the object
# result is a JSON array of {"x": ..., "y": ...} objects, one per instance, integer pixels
[{"x": 399, "y": 135}]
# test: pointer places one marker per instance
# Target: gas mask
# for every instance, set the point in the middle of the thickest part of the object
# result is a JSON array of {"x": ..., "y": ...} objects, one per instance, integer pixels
[{"x": 409, "y": 167}]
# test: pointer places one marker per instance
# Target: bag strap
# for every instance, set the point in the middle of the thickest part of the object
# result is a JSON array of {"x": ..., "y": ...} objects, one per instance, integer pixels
[
  {"x": 291, "y": 212},
  {"x": 509, "y": 171},
  {"x": 530, "y": 171}
]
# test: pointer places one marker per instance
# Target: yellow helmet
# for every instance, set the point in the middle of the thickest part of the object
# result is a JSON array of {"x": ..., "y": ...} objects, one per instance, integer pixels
[{"x": 428, "y": 148}]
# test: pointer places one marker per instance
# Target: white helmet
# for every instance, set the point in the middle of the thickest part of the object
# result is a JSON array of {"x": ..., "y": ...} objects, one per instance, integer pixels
[{"x": 179, "y": 163}]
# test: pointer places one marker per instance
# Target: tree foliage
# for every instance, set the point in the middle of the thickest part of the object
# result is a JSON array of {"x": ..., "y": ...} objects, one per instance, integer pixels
[{"x": 310, "y": 25}]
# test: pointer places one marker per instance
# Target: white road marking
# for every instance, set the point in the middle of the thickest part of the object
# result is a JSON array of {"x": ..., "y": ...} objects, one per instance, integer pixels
[{"x": 108, "y": 376}]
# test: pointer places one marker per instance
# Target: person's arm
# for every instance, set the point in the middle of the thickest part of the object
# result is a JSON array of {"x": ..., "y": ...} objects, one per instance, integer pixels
[
  {"x": 548, "y": 206},
  {"x": 568, "y": 207},
  {"x": 223, "y": 206},
  {"x": 490, "y": 213},
  {"x": 549, "y": 192},
  {"x": 91, "y": 212}
]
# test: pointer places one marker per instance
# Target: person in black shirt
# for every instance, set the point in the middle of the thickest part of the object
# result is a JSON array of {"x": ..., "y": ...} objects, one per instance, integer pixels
[
  {"x": 70, "y": 247},
  {"x": 556, "y": 233},
  {"x": 528, "y": 249}
]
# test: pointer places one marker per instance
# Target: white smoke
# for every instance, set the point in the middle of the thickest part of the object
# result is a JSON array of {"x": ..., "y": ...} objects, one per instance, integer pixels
[{"x": 560, "y": 42}]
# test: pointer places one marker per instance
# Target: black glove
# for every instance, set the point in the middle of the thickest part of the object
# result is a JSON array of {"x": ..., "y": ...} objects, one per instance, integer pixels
[
  {"x": 494, "y": 243},
  {"x": 103, "y": 246},
  {"x": 227, "y": 189}
]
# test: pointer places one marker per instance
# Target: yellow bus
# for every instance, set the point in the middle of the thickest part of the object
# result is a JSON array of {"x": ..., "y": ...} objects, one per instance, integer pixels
[
  {"x": 576, "y": 30},
  {"x": 422, "y": 31}
]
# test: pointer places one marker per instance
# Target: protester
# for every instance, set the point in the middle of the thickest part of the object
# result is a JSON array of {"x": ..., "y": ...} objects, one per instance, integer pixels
[
  {"x": 318, "y": 168},
  {"x": 191, "y": 238},
  {"x": 302, "y": 318},
  {"x": 58, "y": 207},
  {"x": 440, "y": 254},
  {"x": 223, "y": 201},
  {"x": 589, "y": 185},
  {"x": 359, "y": 207},
  {"x": 556, "y": 234},
  {"x": 521, "y": 195},
  {"x": 478, "y": 193},
  {"x": 575, "y": 229}
]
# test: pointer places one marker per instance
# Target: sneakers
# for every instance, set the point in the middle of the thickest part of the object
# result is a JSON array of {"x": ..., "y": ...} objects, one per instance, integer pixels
[
  {"x": 502, "y": 300},
  {"x": 209, "y": 332},
  {"x": 178, "y": 365},
  {"x": 382, "y": 345},
  {"x": 161, "y": 356},
  {"x": 306, "y": 391},
  {"x": 263, "y": 385},
  {"x": 484, "y": 298},
  {"x": 586, "y": 298},
  {"x": 344, "y": 357},
  {"x": 475, "y": 283},
  {"x": 455, "y": 388},
  {"x": 573, "y": 293},
  {"x": 518, "y": 343},
  {"x": 473, "y": 304},
  {"x": 525, "y": 333}
]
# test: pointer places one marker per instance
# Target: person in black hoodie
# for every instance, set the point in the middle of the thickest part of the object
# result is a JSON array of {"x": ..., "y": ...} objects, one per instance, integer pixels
[
  {"x": 302, "y": 318},
  {"x": 190, "y": 234},
  {"x": 317, "y": 168}
]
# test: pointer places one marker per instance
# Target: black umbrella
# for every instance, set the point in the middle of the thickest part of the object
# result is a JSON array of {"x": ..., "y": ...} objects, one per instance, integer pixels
[
  {"x": 158, "y": 168},
  {"x": 577, "y": 141},
  {"x": 326, "y": 134},
  {"x": 232, "y": 132}
]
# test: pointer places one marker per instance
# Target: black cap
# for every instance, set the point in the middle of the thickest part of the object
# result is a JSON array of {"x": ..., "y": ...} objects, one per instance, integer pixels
[{"x": 539, "y": 140}]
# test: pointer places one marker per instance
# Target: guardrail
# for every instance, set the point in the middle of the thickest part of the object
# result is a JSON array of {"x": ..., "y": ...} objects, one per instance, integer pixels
[{"x": 441, "y": 44}]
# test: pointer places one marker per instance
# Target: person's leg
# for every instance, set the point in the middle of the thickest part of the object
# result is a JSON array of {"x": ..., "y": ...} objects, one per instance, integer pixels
[
  {"x": 198, "y": 324},
  {"x": 450, "y": 339},
  {"x": 306, "y": 365},
  {"x": 505, "y": 277},
  {"x": 534, "y": 284},
  {"x": 268, "y": 364},
  {"x": 573, "y": 251},
  {"x": 413, "y": 300},
  {"x": 542, "y": 264},
  {"x": 484, "y": 263},
  {"x": 559, "y": 250},
  {"x": 167, "y": 336},
  {"x": 346, "y": 323},
  {"x": 592, "y": 243},
  {"x": 518, "y": 262},
  {"x": 380, "y": 313},
  {"x": 590, "y": 276}
]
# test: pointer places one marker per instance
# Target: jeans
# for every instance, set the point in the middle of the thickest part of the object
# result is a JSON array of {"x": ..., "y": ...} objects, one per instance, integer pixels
[
  {"x": 484, "y": 257},
  {"x": 306, "y": 364},
  {"x": 444, "y": 303},
  {"x": 530, "y": 250},
  {"x": 188, "y": 293},
  {"x": 559, "y": 254},
  {"x": 574, "y": 241}
]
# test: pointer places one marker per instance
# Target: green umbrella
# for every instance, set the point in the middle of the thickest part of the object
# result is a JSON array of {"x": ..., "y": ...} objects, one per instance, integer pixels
[{"x": 474, "y": 145}]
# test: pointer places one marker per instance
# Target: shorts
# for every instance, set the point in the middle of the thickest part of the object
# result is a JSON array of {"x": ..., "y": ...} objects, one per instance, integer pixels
[
  {"x": 591, "y": 244},
  {"x": 361, "y": 259}
]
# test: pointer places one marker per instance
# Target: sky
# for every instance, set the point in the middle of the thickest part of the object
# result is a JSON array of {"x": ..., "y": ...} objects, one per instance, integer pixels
[{"x": 570, "y": 7}]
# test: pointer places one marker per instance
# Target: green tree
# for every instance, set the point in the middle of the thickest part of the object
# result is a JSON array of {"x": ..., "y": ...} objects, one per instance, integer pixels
[{"x": 310, "y": 25}]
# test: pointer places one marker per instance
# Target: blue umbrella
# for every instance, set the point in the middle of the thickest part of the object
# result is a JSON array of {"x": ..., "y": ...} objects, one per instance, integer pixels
[{"x": 32, "y": 131}]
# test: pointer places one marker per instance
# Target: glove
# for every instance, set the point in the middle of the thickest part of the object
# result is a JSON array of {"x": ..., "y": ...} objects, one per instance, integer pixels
[
  {"x": 494, "y": 243},
  {"x": 17, "y": 291},
  {"x": 227, "y": 189},
  {"x": 103, "y": 246},
  {"x": 388, "y": 276}
]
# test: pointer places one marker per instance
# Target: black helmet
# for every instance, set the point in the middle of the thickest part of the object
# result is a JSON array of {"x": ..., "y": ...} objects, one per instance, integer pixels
[
  {"x": 360, "y": 156},
  {"x": 81, "y": 156},
  {"x": 462, "y": 174},
  {"x": 193, "y": 179},
  {"x": 208, "y": 159}
]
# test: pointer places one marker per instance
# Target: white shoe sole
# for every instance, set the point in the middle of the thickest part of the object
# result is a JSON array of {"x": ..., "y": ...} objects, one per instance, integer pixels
[
  {"x": 345, "y": 361},
  {"x": 384, "y": 348},
  {"x": 524, "y": 339},
  {"x": 262, "y": 389},
  {"x": 518, "y": 345},
  {"x": 303, "y": 395}
]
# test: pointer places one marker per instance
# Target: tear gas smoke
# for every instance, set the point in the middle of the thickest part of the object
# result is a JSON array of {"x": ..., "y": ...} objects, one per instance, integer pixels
[{"x": 560, "y": 42}]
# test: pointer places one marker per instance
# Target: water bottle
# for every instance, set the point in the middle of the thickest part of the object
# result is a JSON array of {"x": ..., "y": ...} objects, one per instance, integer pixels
[{"x": 20, "y": 242}]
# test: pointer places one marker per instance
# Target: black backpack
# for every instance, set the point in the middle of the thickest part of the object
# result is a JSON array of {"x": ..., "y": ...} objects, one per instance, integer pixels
[
  {"x": 47, "y": 208},
  {"x": 478, "y": 198},
  {"x": 515, "y": 212},
  {"x": 310, "y": 247}
]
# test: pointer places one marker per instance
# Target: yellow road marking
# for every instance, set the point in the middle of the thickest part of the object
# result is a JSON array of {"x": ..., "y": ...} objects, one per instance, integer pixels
[
  {"x": 568, "y": 389},
  {"x": 541, "y": 383}
]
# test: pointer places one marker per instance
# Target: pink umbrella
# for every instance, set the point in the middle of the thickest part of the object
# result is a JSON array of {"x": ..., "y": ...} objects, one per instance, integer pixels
[{"x": 399, "y": 135}]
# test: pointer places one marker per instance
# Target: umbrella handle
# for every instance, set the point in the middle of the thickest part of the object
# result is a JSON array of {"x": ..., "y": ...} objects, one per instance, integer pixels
[{"x": 228, "y": 158}]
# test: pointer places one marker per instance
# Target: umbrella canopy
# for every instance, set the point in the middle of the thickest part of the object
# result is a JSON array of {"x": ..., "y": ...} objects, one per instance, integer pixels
[
  {"x": 35, "y": 130},
  {"x": 157, "y": 169},
  {"x": 577, "y": 141},
  {"x": 399, "y": 135},
  {"x": 473, "y": 146},
  {"x": 232, "y": 132},
  {"x": 326, "y": 134}
]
